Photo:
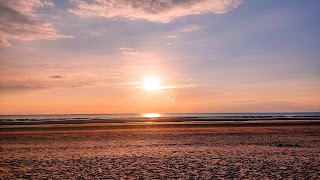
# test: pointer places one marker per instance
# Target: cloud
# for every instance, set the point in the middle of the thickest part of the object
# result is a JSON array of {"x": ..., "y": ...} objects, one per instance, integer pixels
[
  {"x": 191, "y": 28},
  {"x": 152, "y": 10},
  {"x": 168, "y": 87},
  {"x": 129, "y": 51},
  {"x": 171, "y": 36},
  {"x": 56, "y": 77},
  {"x": 4, "y": 42},
  {"x": 14, "y": 87},
  {"x": 26, "y": 7},
  {"x": 19, "y": 20}
]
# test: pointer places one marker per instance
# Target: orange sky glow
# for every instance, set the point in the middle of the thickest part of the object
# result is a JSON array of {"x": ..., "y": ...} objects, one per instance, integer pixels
[{"x": 62, "y": 57}]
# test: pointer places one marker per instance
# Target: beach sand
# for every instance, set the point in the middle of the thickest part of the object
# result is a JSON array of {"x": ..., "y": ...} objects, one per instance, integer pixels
[{"x": 160, "y": 152}]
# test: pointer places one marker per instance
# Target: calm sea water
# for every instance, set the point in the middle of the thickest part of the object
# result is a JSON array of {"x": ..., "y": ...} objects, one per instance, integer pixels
[{"x": 212, "y": 116}]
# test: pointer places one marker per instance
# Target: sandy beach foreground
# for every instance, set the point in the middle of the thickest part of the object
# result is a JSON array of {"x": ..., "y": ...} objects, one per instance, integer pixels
[{"x": 161, "y": 152}]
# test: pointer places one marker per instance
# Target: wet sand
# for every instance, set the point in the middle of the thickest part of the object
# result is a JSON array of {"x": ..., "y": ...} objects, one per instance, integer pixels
[{"x": 161, "y": 151}]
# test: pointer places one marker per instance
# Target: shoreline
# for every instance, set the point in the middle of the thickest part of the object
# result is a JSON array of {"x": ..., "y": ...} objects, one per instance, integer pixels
[{"x": 89, "y": 126}]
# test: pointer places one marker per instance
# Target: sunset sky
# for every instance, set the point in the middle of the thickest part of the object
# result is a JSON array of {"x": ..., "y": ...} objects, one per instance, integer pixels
[{"x": 95, "y": 56}]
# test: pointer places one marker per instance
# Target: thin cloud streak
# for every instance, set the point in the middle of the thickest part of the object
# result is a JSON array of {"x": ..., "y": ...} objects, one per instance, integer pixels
[
  {"x": 10, "y": 88},
  {"x": 191, "y": 28},
  {"x": 129, "y": 51},
  {"x": 172, "y": 87},
  {"x": 56, "y": 77}
]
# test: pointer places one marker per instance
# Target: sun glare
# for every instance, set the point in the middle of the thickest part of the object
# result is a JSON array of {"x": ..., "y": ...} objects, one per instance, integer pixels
[
  {"x": 151, "y": 115},
  {"x": 151, "y": 83}
]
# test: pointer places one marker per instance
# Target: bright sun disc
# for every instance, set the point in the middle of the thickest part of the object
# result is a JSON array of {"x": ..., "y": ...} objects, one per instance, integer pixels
[
  {"x": 151, "y": 83},
  {"x": 151, "y": 115}
]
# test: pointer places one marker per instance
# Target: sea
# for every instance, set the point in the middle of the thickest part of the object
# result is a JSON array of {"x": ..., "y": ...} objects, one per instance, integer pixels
[{"x": 132, "y": 117}]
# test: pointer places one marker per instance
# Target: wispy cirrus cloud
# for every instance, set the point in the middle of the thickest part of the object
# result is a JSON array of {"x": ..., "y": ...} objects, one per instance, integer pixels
[
  {"x": 19, "y": 20},
  {"x": 156, "y": 10}
]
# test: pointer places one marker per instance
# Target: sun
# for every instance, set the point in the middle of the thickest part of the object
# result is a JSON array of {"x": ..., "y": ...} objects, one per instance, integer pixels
[{"x": 151, "y": 83}]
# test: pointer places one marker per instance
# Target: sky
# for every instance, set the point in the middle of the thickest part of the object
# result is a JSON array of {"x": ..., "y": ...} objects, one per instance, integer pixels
[{"x": 94, "y": 56}]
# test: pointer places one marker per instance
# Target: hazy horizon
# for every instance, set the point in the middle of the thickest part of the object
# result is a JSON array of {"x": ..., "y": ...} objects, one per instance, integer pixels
[
  {"x": 102, "y": 57},
  {"x": 164, "y": 113}
]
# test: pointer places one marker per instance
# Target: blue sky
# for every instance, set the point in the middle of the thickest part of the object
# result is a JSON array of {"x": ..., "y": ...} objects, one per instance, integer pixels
[{"x": 230, "y": 56}]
